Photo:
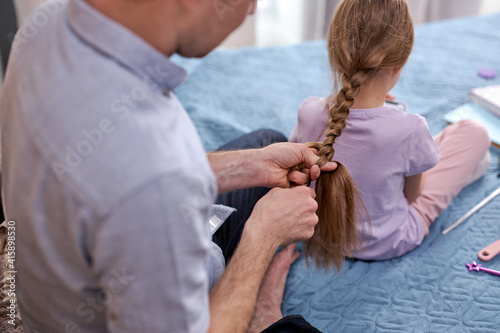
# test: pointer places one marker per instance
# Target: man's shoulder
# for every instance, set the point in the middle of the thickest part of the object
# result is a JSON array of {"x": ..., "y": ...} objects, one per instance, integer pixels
[
  {"x": 103, "y": 129},
  {"x": 107, "y": 135}
]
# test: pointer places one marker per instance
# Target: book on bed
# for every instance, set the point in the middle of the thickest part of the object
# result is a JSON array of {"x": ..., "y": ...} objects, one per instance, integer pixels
[
  {"x": 476, "y": 112},
  {"x": 487, "y": 97}
]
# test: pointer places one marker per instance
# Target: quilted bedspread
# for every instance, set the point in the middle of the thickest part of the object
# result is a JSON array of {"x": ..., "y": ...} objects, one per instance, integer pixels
[{"x": 232, "y": 92}]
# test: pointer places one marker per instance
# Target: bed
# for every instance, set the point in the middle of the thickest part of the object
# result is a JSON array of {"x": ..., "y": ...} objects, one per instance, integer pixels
[{"x": 232, "y": 92}]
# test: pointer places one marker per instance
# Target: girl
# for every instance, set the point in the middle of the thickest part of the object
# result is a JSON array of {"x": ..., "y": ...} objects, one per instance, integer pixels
[{"x": 405, "y": 177}]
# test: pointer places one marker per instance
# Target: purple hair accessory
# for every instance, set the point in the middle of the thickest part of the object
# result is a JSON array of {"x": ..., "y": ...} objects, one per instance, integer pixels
[
  {"x": 477, "y": 267},
  {"x": 487, "y": 73}
]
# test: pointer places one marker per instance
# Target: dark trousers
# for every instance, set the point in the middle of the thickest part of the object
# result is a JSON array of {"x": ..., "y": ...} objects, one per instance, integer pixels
[{"x": 229, "y": 234}]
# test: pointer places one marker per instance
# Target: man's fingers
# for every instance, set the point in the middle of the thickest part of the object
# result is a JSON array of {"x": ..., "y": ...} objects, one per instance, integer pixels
[
  {"x": 329, "y": 166},
  {"x": 305, "y": 189},
  {"x": 302, "y": 177},
  {"x": 314, "y": 172},
  {"x": 311, "y": 157},
  {"x": 292, "y": 254},
  {"x": 290, "y": 249},
  {"x": 298, "y": 177},
  {"x": 311, "y": 171},
  {"x": 312, "y": 193}
]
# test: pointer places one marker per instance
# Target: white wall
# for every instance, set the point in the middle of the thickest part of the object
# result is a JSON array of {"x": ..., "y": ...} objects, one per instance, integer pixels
[
  {"x": 489, "y": 7},
  {"x": 287, "y": 25},
  {"x": 243, "y": 36}
]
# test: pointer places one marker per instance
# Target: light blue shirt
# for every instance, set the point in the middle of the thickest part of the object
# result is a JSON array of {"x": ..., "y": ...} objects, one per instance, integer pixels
[{"x": 106, "y": 179}]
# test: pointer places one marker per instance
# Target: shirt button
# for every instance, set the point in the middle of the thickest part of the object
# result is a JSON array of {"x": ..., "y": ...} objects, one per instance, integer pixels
[{"x": 166, "y": 92}]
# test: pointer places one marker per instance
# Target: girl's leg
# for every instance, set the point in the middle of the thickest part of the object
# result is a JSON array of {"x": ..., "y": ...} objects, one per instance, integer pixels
[{"x": 464, "y": 159}]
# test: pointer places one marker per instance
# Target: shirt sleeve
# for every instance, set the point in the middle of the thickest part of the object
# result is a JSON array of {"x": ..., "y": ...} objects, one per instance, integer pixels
[
  {"x": 311, "y": 120},
  {"x": 295, "y": 137},
  {"x": 149, "y": 258},
  {"x": 423, "y": 151}
]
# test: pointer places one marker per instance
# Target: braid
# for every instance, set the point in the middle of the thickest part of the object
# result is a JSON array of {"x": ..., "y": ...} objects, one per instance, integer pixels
[
  {"x": 335, "y": 234},
  {"x": 339, "y": 112}
]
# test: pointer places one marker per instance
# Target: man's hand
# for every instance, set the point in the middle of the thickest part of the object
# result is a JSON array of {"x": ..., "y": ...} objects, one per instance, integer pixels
[
  {"x": 280, "y": 158},
  {"x": 272, "y": 166},
  {"x": 284, "y": 216}
]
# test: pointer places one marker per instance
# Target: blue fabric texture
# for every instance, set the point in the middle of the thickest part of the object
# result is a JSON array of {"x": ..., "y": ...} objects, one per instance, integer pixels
[{"x": 232, "y": 92}]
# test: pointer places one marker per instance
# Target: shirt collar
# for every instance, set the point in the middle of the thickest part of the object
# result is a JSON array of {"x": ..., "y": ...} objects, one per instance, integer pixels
[{"x": 122, "y": 45}]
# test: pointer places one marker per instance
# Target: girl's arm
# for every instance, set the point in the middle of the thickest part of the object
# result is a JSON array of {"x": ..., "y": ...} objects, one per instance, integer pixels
[{"x": 413, "y": 187}]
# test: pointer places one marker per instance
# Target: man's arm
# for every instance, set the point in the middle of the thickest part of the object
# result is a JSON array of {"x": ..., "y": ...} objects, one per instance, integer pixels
[
  {"x": 267, "y": 167},
  {"x": 233, "y": 299},
  {"x": 282, "y": 217},
  {"x": 237, "y": 169}
]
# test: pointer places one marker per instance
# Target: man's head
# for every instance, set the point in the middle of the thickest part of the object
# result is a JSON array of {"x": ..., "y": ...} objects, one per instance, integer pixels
[
  {"x": 191, "y": 28},
  {"x": 211, "y": 22}
]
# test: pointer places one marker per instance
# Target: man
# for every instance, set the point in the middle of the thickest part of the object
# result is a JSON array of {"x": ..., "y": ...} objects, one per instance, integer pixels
[{"x": 109, "y": 187}]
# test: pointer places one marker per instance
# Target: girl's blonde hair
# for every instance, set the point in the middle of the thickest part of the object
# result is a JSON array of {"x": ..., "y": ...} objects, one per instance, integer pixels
[{"x": 365, "y": 36}]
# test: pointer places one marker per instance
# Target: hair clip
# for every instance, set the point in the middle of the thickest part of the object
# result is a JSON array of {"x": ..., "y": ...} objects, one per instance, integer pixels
[
  {"x": 477, "y": 267},
  {"x": 490, "y": 251}
]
